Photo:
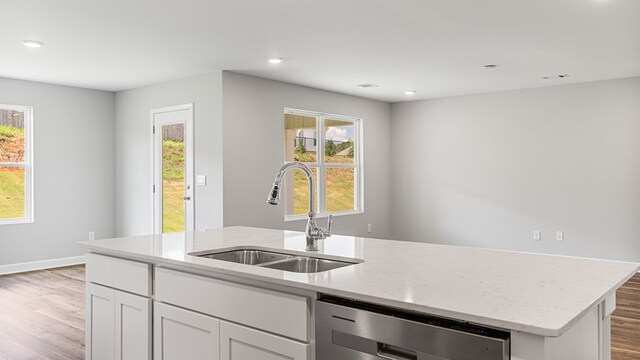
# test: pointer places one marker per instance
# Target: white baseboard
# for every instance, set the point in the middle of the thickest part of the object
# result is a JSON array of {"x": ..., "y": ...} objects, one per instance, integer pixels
[{"x": 39, "y": 265}]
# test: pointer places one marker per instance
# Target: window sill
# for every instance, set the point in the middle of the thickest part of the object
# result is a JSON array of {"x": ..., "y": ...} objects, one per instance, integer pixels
[
  {"x": 15, "y": 221},
  {"x": 325, "y": 215}
]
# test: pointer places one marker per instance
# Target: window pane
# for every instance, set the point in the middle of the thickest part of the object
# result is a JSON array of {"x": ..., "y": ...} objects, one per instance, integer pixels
[
  {"x": 339, "y": 141},
  {"x": 297, "y": 198},
  {"x": 12, "y": 193},
  {"x": 173, "y": 219},
  {"x": 12, "y": 142},
  {"x": 340, "y": 189},
  {"x": 301, "y": 140}
]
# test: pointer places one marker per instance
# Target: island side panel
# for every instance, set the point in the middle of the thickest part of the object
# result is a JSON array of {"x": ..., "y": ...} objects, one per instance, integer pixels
[{"x": 588, "y": 339}]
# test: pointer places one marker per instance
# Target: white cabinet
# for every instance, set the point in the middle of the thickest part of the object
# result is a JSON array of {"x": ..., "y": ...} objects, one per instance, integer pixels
[
  {"x": 272, "y": 311},
  {"x": 99, "y": 323},
  {"x": 181, "y": 334},
  {"x": 193, "y": 317},
  {"x": 132, "y": 327},
  {"x": 118, "y": 325},
  {"x": 242, "y": 343}
]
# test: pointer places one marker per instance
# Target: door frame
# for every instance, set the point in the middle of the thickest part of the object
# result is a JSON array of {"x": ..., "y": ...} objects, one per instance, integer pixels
[{"x": 156, "y": 201}]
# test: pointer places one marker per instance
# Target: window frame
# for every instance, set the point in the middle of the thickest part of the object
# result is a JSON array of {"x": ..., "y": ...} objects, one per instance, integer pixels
[
  {"x": 358, "y": 164},
  {"x": 27, "y": 164}
]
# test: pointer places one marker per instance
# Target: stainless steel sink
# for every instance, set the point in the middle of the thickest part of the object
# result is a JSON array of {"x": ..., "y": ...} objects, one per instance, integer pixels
[
  {"x": 276, "y": 260},
  {"x": 307, "y": 265},
  {"x": 248, "y": 257}
]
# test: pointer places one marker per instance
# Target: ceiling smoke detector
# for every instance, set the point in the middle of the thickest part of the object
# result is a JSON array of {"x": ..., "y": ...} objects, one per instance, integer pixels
[
  {"x": 553, "y": 77},
  {"x": 368, "y": 85}
]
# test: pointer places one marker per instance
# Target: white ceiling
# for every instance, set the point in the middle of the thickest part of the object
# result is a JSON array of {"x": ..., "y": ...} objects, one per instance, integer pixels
[{"x": 436, "y": 47}]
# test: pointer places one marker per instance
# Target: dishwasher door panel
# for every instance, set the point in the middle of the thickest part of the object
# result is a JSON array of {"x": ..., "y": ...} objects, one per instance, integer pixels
[{"x": 349, "y": 333}]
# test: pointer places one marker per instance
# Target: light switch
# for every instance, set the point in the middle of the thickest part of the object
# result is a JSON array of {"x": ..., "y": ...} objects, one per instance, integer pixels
[{"x": 201, "y": 180}]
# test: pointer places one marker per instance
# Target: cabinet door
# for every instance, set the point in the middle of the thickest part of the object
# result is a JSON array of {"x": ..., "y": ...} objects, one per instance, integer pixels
[
  {"x": 99, "y": 322},
  {"x": 181, "y": 334},
  {"x": 241, "y": 343},
  {"x": 132, "y": 327}
]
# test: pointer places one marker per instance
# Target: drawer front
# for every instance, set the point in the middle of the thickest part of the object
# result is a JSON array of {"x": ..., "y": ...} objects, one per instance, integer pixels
[
  {"x": 273, "y": 311},
  {"x": 126, "y": 275}
]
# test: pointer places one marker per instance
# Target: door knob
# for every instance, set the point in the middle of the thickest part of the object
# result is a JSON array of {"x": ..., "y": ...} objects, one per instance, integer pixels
[{"x": 186, "y": 198}]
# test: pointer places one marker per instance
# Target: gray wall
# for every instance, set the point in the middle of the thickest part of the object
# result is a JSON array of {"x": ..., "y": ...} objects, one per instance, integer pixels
[
  {"x": 254, "y": 149},
  {"x": 487, "y": 170},
  {"x": 74, "y": 170},
  {"x": 481, "y": 170},
  {"x": 133, "y": 150}
]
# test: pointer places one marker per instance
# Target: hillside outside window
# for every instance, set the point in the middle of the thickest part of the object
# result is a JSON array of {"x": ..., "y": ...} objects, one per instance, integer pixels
[{"x": 16, "y": 169}]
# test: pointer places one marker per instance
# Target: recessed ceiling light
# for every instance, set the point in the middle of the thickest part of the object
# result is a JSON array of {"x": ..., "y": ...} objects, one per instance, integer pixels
[
  {"x": 32, "y": 43},
  {"x": 275, "y": 60},
  {"x": 368, "y": 85},
  {"x": 410, "y": 92},
  {"x": 489, "y": 66}
]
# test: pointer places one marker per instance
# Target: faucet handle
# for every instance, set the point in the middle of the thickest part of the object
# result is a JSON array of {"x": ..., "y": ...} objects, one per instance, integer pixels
[{"x": 329, "y": 221}]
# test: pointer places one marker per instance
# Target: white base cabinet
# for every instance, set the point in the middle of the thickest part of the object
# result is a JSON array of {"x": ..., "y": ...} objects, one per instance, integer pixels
[
  {"x": 181, "y": 334},
  {"x": 242, "y": 343},
  {"x": 118, "y": 325},
  {"x": 99, "y": 323},
  {"x": 132, "y": 315}
]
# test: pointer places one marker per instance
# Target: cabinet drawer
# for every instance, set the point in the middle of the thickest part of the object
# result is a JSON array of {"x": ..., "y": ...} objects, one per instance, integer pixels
[
  {"x": 131, "y": 276},
  {"x": 273, "y": 311}
]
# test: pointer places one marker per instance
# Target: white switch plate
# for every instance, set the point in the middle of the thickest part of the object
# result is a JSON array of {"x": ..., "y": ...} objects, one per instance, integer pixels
[
  {"x": 559, "y": 236},
  {"x": 92, "y": 235},
  {"x": 201, "y": 180},
  {"x": 536, "y": 235},
  {"x": 368, "y": 228}
]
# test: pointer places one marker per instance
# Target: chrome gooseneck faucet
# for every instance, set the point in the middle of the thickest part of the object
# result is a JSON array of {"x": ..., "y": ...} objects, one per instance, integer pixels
[{"x": 314, "y": 233}]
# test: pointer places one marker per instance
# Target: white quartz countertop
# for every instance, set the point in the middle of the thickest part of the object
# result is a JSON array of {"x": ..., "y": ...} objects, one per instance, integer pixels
[{"x": 534, "y": 293}]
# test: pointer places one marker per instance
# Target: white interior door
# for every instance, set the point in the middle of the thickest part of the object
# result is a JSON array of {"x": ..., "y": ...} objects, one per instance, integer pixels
[{"x": 172, "y": 159}]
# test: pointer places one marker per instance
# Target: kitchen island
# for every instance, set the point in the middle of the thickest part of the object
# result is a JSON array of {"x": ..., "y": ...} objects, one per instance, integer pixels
[{"x": 552, "y": 307}]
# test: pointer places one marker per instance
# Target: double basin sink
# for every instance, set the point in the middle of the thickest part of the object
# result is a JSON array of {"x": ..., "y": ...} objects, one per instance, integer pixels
[{"x": 276, "y": 260}]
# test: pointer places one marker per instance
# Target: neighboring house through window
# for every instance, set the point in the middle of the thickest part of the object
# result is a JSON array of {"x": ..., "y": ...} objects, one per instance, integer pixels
[
  {"x": 335, "y": 159},
  {"x": 16, "y": 164}
]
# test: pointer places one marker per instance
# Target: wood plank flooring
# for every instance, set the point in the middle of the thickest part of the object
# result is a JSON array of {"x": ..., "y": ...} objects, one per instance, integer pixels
[
  {"x": 41, "y": 316},
  {"x": 625, "y": 322}
]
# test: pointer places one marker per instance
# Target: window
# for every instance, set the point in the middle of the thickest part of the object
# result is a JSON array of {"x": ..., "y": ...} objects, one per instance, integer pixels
[
  {"x": 16, "y": 172},
  {"x": 334, "y": 157}
]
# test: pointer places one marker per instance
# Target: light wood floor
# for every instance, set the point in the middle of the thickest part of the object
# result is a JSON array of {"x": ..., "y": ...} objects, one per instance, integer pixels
[
  {"x": 625, "y": 322},
  {"x": 41, "y": 316}
]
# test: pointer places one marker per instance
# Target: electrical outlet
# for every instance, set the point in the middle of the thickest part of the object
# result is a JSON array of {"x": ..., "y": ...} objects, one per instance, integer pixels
[
  {"x": 537, "y": 236},
  {"x": 559, "y": 236},
  {"x": 92, "y": 235},
  {"x": 368, "y": 228}
]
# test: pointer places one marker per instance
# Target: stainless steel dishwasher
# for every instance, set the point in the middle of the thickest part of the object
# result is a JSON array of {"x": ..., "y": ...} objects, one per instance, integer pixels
[{"x": 351, "y": 330}]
